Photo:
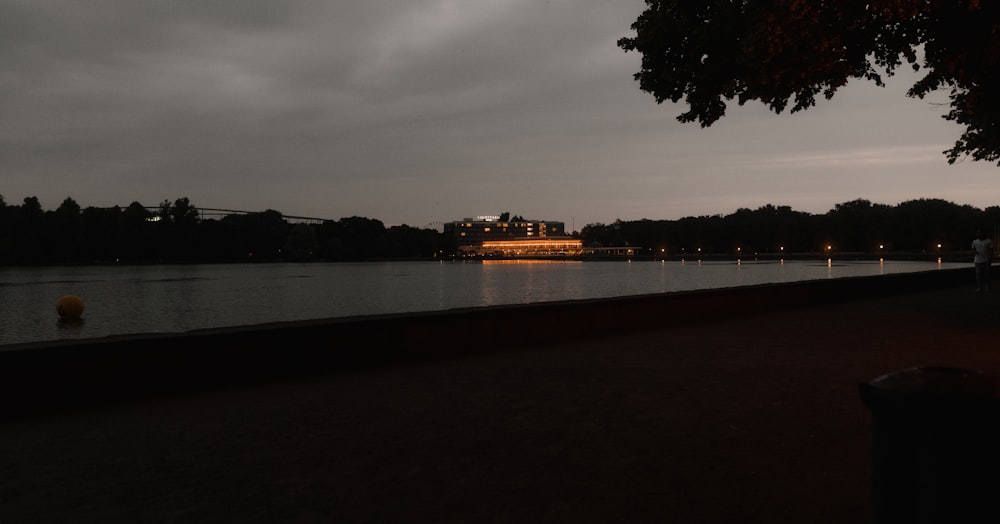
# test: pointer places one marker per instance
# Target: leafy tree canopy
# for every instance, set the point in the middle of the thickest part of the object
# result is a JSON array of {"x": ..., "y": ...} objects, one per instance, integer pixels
[{"x": 787, "y": 52}]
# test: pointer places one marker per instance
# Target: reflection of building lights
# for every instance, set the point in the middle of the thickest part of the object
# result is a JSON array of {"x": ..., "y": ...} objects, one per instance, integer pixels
[{"x": 527, "y": 261}]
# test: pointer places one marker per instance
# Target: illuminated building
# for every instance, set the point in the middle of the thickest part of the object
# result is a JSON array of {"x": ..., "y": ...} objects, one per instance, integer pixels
[
  {"x": 491, "y": 237},
  {"x": 543, "y": 247},
  {"x": 496, "y": 236},
  {"x": 473, "y": 232}
]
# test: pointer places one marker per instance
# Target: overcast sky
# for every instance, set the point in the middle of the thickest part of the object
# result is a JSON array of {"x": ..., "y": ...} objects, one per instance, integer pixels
[{"x": 421, "y": 112}]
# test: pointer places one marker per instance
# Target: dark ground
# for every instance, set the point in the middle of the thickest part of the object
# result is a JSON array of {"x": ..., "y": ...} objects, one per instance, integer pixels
[{"x": 749, "y": 419}]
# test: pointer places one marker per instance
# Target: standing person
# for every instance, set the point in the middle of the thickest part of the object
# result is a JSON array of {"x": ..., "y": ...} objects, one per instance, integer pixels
[{"x": 982, "y": 249}]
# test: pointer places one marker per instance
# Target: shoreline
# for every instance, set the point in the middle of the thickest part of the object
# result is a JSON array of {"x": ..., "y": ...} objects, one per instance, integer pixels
[
  {"x": 750, "y": 413},
  {"x": 950, "y": 256},
  {"x": 73, "y": 372},
  {"x": 688, "y": 306}
]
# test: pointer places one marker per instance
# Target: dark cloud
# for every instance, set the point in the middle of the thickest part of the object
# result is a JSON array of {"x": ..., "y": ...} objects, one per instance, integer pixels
[{"x": 416, "y": 112}]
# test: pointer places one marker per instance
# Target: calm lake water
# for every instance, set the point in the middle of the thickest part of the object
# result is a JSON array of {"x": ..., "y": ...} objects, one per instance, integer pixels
[{"x": 178, "y": 298}]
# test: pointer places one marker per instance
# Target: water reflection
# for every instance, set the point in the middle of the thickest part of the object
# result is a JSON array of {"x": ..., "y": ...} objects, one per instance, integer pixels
[
  {"x": 71, "y": 326},
  {"x": 141, "y": 299},
  {"x": 526, "y": 261}
]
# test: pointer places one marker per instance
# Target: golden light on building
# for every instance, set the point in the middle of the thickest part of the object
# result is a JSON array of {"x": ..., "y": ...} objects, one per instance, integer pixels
[
  {"x": 527, "y": 247},
  {"x": 544, "y": 248},
  {"x": 534, "y": 244}
]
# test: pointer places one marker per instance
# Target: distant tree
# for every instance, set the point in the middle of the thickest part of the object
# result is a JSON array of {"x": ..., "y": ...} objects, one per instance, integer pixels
[
  {"x": 69, "y": 208},
  {"x": 137, "y": 239},
  {"x": 7, "y": 248},
  {"x": 165, "y": 213},
  {"x": 174, "y": 232},
  {"x": 302, "y": 242},
  {"x": 352, "y": 238},
  {"x": 767, "y": 229},
  {"x": 922, "y": 224},
  {"x": 990, "y": 221},
  {"x": 138, "y": 213},
  {"x": 183, "y": 213},
  {"x": 214, "y": 241},
  {"x": 786, "y": 52},
  {"x": 405, "y": 241},
  {"x": 29, "y": 232},
  {"x": 595, "y": 234},
  {"x": 176, "y": 229},
  {"x": 858, "y": 225},
  {"x": 66, "y": 232},
  {"x": 257, "y": 236},
  {"x": 32, "y": 207},
  {"x": 101, "y": 229}
]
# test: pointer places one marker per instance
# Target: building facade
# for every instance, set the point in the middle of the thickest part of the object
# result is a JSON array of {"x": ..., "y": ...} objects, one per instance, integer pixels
[{"x": 473, "y": 232}]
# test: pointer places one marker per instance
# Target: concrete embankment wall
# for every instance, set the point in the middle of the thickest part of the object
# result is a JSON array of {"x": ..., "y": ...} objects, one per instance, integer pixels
[{"x": 66, "y": 374}]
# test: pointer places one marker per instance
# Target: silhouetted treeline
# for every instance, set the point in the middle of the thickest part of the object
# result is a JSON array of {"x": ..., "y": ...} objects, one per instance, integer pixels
[
  {"x": 175, "y": 232},
  {"x": 859, "y": 226}
]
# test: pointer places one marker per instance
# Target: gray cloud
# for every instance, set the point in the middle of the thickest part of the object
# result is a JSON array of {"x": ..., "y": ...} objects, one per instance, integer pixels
[{"x": 419, "y": 112}]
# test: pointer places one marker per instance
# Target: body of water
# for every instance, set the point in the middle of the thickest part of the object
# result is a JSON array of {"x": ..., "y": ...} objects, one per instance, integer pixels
[{"x": 178, "y": 298}]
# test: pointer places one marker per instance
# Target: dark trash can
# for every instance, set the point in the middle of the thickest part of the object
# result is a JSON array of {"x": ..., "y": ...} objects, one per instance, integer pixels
[{"x": 935, "y": 440}]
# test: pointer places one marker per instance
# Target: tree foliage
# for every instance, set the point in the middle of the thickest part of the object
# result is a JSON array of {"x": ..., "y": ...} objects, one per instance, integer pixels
[
  {"x": 174, "y": 232},
  {"x": 786, "y": 53},
  {"x": 914, "y": 227}
]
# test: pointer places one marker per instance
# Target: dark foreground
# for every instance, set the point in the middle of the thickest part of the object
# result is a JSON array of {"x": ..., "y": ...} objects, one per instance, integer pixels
[{"x": 729, "y": 418}]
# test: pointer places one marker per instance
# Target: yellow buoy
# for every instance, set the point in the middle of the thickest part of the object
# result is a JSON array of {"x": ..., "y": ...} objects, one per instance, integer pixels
[{"x": 70, "y": 308}]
